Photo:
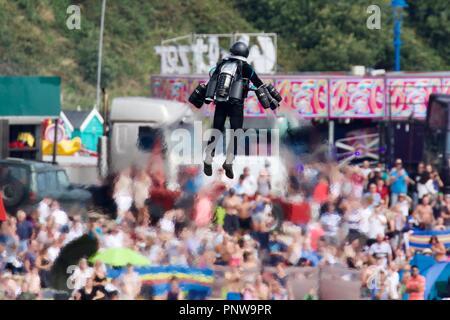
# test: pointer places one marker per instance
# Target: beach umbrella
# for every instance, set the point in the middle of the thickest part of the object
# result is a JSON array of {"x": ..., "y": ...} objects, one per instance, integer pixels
[{"x": 120, "y": 257}]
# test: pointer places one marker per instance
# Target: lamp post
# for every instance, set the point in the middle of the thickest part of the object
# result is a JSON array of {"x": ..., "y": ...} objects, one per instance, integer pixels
[
  {"x": 397, "y": 11},
  {"x": 100, "y": 52},
  {"x": 397, "y": 8}
]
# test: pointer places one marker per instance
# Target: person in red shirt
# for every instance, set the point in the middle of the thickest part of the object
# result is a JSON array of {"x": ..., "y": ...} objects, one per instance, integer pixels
[
  {"x": 415, "y": 285},
  {"x": 320, "y": 193},
  {"x": 383, "y": 190}
]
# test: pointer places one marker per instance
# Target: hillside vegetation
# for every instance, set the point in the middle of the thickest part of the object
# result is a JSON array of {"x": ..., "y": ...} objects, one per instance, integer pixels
[{"x": 319, "y": 35}]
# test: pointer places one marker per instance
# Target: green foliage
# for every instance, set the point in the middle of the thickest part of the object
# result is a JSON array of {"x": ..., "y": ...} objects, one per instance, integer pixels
[{"x": 314, "y": 35}]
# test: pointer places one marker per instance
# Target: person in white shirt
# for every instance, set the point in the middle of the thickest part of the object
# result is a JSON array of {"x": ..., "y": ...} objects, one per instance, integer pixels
[
  {"x": 330, "y": 221},
  {"x": 123, "y": 193},
  {"x": 249, "y": 184},
  {"x": 80, "y": 275},
  {"x": 54, "y": 249},
  {"x": 59, "y": 215},
  {"x": 366, "y": 170},
  {"x": 76, "y": 230},
  {"x": 393, "y": 281},
  {"x": 377, "y": 222},
  {"x": 365, "y": 212},
  {"x": 44, "y": 210},
  {"x": 114, "y": 239},
  {"x": 404, "y": 204},
  {"x": 353, "y": 218},
  {"x": 131, "y": 284},
  {"x": 381, "y": 249},
  {"x": 166, "y": 222}
]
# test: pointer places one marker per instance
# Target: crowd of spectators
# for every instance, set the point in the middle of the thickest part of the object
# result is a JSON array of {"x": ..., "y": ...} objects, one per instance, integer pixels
[{"x": 360, "y": 219}]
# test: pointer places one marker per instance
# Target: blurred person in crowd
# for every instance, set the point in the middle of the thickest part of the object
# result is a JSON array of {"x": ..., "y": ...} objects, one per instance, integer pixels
[
  {"x": 248, "y": 293},
  {"x": 425, "y": 185},
  {"x": 89, "y": 292},
  {"x": 404, "y": 204},
  {"x": 99, "y": 276},
  {"x": 245, "y": 214},
  {"x": 261, "y": 289},
  {"x": 393, "y": 282},
  {"x": 115, "y": 238},
  {"x": 80, "y": 276},
  {"x": 277, "y": 249},
  {"x": 396, "y": 224},
  {"x": 24, "y": 230},
  {"x": 331, "y": 221},
  {"x": 231, "y": 204},
  {"x": 373, "y": 195},
  {"x": 264, "y": 185},
  {"x": 249, "y": 184},
  {"x": 417, "y": 179},
  {"x": 434, "y": 175},
  {"x": 141, "y": 186},
  {"x": 350, "y": 254},
  {"x": 54, "y": 249},
  {"x": 123, "y": 192},
  {"x": 60, "y": 216},
  {"x": 445, "y": 212},
  {"x": 174, "y": 292},
  {"x": 278, "y": 291},
  {"x": 424, "y": 212},
  {"x": 294, "y": 251},
  {"x": 358, "y": 181},
  {"x": 44, "y": 265},
  {"x": 320, "y": 193},
  {"x": 382, "y": 189},
  {"x": 377, "y": 222},
  {"x": 34, "y": 281},
  {"x": 131, "y": 283},
  {"x": 398, "y": 181},
  {"x": 375, "y": 175},
  {"x": 239, "y": 186},
  {"x": 76, "y": 229},
  {"x": 415, "y": 285},
  {"x": 44, "y": 209},
  {"x": 365, "y": 169},
  {"x": 438, "y": 249},
  {"x": 280, "y": 274},
  {"x": 381, "y": 249},
  {"x": 438, "y": 205},
  {"x": 440, "y": 226}
]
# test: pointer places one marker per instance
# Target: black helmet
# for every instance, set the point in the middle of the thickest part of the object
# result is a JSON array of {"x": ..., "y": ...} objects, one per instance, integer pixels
[{"x": 239, "y": 49}]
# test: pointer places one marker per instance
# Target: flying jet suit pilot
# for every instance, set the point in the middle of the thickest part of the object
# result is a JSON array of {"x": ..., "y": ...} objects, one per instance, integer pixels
[{"x": 228, "y": 87}]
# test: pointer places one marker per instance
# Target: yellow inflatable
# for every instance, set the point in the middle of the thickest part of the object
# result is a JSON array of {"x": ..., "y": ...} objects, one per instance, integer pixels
[{"x": 64, "y": 147}]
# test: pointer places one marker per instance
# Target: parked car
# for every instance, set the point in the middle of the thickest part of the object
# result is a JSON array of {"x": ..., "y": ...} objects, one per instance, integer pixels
[{"x": 25, "y": 183}]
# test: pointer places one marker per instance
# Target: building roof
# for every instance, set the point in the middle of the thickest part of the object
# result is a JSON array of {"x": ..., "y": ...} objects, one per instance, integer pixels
[
  {"x": 80, "y": 119},
  {"x": 76, "y": 118}
]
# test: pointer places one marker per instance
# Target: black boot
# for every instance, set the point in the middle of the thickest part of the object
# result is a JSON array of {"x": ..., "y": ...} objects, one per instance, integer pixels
[
  {"x": 228, "y": 170},
  {"x": 207, "y": 169}
]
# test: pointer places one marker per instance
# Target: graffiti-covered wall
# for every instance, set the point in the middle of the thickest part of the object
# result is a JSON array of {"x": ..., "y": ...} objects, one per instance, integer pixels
[{"x": 328, "y": 96}]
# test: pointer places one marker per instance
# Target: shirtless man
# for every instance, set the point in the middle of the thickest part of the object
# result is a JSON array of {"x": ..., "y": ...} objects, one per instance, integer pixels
[
  {"x": 231, "y": 204},
  {"x": 425, "y": 213},
  {"x": 245, "y": 219}
]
